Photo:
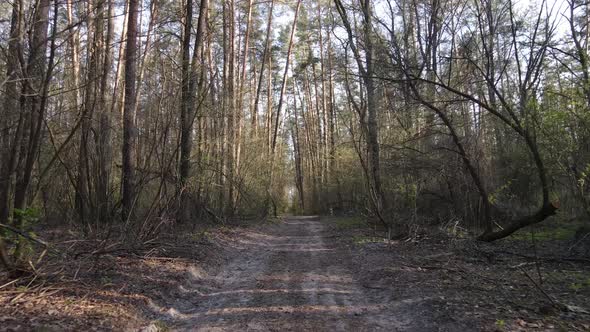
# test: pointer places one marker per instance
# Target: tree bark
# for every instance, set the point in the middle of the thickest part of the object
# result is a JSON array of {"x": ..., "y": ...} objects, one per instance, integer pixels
[
  {"x": 367, "y": 73},
  {"x": 265, "y": 59},
  {"x": 129, "y": 129},
  {"x": 284, "y": 83},
  {"x": 189, "y": 90},
  {"x": 10, "y": 140}
]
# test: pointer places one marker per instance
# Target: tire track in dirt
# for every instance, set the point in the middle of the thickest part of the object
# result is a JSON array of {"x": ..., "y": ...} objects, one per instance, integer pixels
[{"x": 292, "y": 276}]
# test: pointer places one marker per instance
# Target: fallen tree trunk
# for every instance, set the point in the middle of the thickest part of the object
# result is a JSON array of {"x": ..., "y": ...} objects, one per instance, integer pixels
[{"x": 546, "y": 211}]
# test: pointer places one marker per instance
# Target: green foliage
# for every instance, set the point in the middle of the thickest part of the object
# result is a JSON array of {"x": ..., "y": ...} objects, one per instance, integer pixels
[
  {"x": 27, "y": 217},
  {"x": 25, "y": 220},
  {"x": 106, "y": 281},
  {"x": 161, "y": 326},
  {"x": 360, "y": 240},
  {"x": 559, "y": 230},
  {"x": 350, "y": 223},
  {"x": 204, "y": 235},
  {"x": 576, "y": 287},
  {"x": 577, "y": 281},
  {"x": 454, "y": 228},
  {"x": 584, "y": 176},
  {"x": 494, "y": 196}
]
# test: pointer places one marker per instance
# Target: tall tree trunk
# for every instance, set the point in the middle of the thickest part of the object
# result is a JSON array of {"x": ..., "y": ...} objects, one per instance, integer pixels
[
  {"x": 366, "y": 69},
  {"x": 373, "y": 129},
  {"x": 332, "y": 129},
  {"x": 265, "y": 58},
  {"x": 35, "y": 86},
  {"x": 189, "y": 87},
  {"x": 104, "y": 146},
  {"x": 325, "y": 152},
  {"x": 269, "y": 112},
  {"x": 9, "y": 147},
  {"x": 240, "y": 107},
  {"x": 118, "y": 92},
  {"x": 284, "y": 83},
  {"x": 40, "y": 71},
  {"x": 129, "y": 129},
  {"x": 297, "y": 153},
  {"x": 185, "y": 111},
  {"x": 94, "y": 30},
  {"x": 229, "y": 79}
]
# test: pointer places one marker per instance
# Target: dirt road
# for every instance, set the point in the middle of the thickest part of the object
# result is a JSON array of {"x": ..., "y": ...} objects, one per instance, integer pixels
[
  {"x": 305, "y": 274},
  {"x": 291, "y": 276}
]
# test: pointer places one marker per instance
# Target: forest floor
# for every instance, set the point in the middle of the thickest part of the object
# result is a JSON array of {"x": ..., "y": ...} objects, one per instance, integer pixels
[{"x": 305, "y": 273}]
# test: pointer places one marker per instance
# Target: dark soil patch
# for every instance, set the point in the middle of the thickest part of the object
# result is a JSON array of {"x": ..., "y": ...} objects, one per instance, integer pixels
[
  {"x": 509, "y": 285},
  {"x": 96, "y": 285}
]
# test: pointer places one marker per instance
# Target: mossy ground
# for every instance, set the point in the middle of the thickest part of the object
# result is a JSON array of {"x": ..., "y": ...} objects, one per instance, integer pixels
[{"x": 555, "y": 228}]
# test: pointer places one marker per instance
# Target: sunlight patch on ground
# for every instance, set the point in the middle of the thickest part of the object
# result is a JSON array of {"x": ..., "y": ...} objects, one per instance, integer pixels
[
  {"x": 267, "y": 291},
  {"x": 296, "y": 309},
  {"x": 197, "y": 272},
  {"x": 307, "y": 277}
]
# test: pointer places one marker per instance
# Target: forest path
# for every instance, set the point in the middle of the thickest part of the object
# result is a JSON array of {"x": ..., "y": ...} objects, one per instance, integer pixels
[{"x": 290, "y": 276}]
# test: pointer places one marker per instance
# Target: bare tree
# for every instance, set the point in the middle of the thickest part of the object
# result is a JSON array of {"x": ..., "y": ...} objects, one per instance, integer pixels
[
  {"x": 366, "y": 69},
  {"x": 129, "y": 130}
]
